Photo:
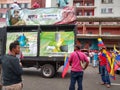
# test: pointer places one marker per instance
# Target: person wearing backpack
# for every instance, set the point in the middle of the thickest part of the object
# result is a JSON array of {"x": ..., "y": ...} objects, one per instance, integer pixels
[{"x": 76, "y": 58}]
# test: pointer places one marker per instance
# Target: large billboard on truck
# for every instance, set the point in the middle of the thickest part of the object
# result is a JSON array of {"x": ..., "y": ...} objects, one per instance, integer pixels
[
  {"x": 55, "y": 43},
  {"x": 41, "y": 16},
  {"x": 27, "y": 40}
]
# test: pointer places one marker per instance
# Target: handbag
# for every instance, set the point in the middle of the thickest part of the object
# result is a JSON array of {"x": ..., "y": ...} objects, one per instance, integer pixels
[{"x": 82, "y": 63}]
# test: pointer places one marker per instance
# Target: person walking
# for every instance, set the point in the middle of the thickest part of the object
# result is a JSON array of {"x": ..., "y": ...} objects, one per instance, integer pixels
[
  {"x": 12, "y": 69},
  {"x": 95, "y": 59},
  {"x": 103, "y": 70},
  {"x": 76, "y": 68}
]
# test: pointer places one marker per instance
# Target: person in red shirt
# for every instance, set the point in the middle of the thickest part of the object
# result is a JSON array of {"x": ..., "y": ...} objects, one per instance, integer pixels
[
  {"x": 76, "y": 67},
  {"x": 103, "y": 70},
  {"x": 35, "y": 5}
]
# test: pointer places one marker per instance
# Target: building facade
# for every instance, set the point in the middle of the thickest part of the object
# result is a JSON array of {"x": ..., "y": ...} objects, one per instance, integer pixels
[{"x": 96, "y": 18}]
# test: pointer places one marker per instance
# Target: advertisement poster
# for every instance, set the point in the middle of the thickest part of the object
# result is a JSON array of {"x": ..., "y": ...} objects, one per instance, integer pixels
[
  {"x": 27, "y": 40},
  {"x": 56, "y": 43},
  {"x": 40, "y": 16}
]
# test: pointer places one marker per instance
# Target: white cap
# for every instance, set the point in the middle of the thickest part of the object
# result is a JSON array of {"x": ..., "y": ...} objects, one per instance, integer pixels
[{"x": 15, "y": 6}]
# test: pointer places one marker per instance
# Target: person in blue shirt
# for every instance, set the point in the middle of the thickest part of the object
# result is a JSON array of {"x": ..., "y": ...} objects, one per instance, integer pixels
[
  {"x": 62, "y": 3},
  {"x": 95, "y": 59}
]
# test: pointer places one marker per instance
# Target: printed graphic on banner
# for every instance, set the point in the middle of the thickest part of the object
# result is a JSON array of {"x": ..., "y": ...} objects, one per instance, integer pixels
[
  {"x": 27, "y": 40},
  {"x": 56, "y": 43},
  {"x": 41, "y": 16}
]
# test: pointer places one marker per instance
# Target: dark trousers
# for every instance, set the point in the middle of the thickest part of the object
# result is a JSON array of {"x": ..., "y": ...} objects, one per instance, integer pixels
[
  {"x": 76, "y": 76},
  {"x": 104, "y": 75}
]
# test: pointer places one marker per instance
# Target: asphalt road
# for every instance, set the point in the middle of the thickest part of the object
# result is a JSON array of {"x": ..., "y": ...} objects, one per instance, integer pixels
[{"x": 34, "y": 81}]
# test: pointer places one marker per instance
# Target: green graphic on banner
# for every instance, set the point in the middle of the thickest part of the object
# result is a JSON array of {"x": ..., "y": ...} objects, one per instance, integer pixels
[
  {"x": 27, "y": 40},
  {"x": 56, "y": 43}
]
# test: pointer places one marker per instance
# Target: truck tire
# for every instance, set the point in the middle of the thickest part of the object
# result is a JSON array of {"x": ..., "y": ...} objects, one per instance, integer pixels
[{"x": 48, "y": 71}]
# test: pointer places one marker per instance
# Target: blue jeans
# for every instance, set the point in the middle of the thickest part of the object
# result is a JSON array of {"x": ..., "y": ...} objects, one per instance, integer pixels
[
  {"x": 76, "y": 76},
  {"x": 104, "y": 75}
]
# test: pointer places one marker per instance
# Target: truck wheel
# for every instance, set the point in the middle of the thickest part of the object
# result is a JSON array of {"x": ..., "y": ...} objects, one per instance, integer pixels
[{"x": 48, "y": 71}]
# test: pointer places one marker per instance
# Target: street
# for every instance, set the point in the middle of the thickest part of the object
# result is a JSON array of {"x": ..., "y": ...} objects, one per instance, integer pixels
[{"x": 34, "y": 81}]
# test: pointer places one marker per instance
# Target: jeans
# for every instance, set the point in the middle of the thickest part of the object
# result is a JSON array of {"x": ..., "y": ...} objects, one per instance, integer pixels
[
  {"x": 104, "y": 75},
  {"x": 94, "y": 63},
  {"x": 76, "y": 76}
]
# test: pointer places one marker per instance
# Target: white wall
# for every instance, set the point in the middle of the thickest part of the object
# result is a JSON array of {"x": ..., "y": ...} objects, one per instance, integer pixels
[
  {"x": 115, "y": 5},
  {"x": 53, "y": 3}
]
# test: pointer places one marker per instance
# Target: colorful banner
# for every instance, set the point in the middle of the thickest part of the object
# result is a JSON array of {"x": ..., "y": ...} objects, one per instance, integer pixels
[
  {"x": 41, "y": 16},
  {"x": 56, "y": 43},
  {"x": 27, "y": 40}
]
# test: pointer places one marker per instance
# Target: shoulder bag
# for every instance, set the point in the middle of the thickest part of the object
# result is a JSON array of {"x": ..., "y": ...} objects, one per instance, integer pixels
[{"x": 82, "y": 62}]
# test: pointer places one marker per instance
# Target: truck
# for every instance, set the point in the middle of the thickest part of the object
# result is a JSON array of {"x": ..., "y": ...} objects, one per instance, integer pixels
[
  {"x": 42, "y": 46},
  {"x": 44, "y": 35}
]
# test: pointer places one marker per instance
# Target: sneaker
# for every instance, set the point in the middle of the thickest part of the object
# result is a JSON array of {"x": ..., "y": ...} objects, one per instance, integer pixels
[
  {"x": 102, "y": 83},
  {"x": 108, "y": 85}
]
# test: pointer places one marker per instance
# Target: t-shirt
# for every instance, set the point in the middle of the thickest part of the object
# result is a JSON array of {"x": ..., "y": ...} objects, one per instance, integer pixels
[
  {"x": 11, "y": 70},
  {"x": 75, "y": 61},
  {"x": 95, "y": 56},
  {"x": 102, "y": 59}
]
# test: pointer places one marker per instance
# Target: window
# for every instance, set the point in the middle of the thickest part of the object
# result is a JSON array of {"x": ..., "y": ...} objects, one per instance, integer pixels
[
  {"x": 26, "y": 5},
  {"x": 80, "y": 13},
  {"x": 78, "y": 4},
  {"x": 103, "y": 10},
  {"x": 106, "y": 33},
  {"x": 106, "y": 1},
  {"x": 88, "y": 4},
  {"x": 1, "y": 5},
  {"x": 110, "y": 10},
  {"x": 22, "y": 5},
  {"x": 29, "y": 5},
  {"x": 8, "y": 5},
  {"x": 4, "y": 5},
  {"x": 2, "y": 15},
  {"x": 88, "y": 13},
  {"x": 90, "y": 33},
  {"x": 107, "y": 10}
]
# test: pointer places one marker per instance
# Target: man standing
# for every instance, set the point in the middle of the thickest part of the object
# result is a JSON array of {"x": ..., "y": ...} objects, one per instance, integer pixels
[
  {"x": 103, "y": 70},
  {"x": 11, "y": 69},
  {"x": 76, "y": 68}
]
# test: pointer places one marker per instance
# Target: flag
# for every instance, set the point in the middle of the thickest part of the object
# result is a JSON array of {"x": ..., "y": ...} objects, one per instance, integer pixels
[
  {"x": 100, "y": 43},
  {"x": 117, "y": 58},
  {"x": 115, "y": 50},
  {"x": 110, "y": 63},
  {"x": 118, "y": 62},
  {"x": 65, "y": 67}
]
